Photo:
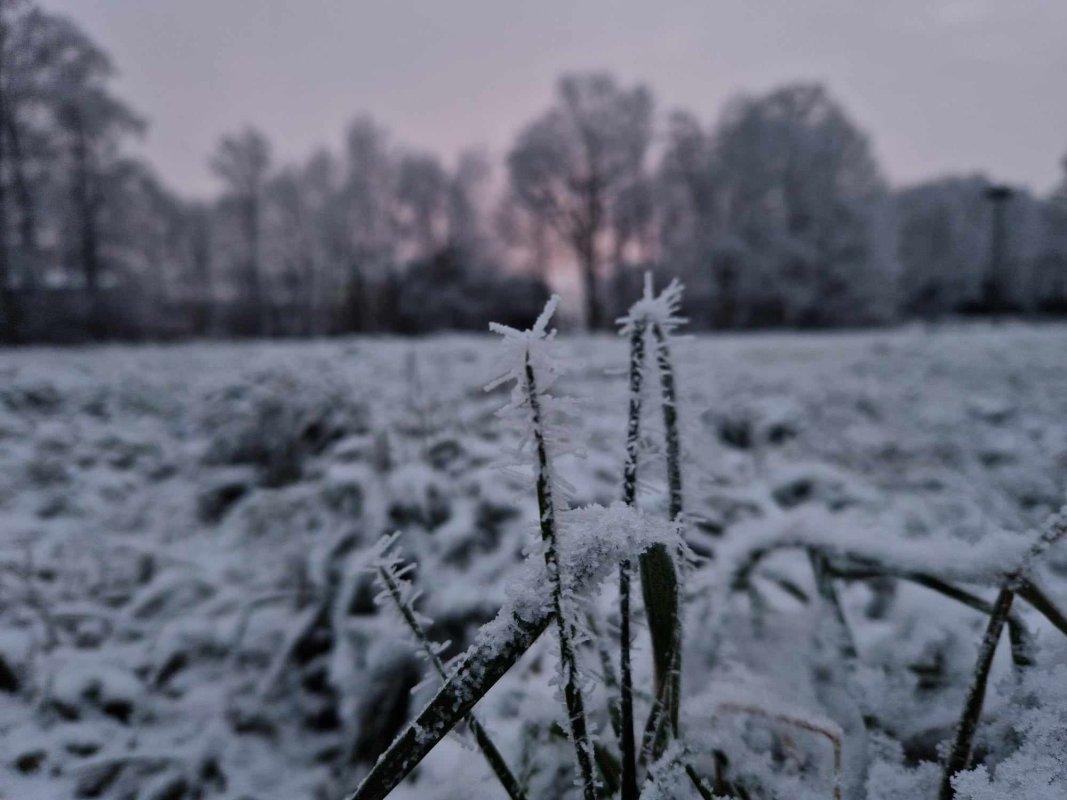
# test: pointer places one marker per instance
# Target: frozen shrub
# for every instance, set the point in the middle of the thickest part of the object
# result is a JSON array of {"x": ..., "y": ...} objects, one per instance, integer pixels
[
  {"x": 418, "y": 495},
  {"x": 220, "y": 489},
  {"x": 274, "y": 420},
  {"x": 446, "y": 453},
  {"x": 88, "y": 685},
  {"x": 285, "y": 514},
  {"x": 38, "y": 397},
  {"x": 771, "y": 421},
  {"x": 345, "y": 488},
  {"x": 47, "y": 469},
  {"x": 125, "y": 453},
  {"x": 804, "y": 483},
  {"x": 357, "y": 447},
  {"x": 16, "y": 645}
]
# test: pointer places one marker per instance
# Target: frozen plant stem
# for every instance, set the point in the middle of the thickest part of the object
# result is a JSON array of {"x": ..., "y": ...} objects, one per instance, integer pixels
[
  {"x": 1039, "y": 599},
  {"x": 572, "y": 692},
  {"x": 959, "y": 757},
  {"x": 824, "y": 585},
  {"x": 659, "y": 578},
  {"x": 670, "y": 420},
  {"x": 629, "y": 494},
  {"x": 484, "y": 664},
  {"x": 485, "y": 744},
  {"x": 1018, "y": 635},
  {"x": 654, "y": 736},
  {"x": 698, "y": 783}
]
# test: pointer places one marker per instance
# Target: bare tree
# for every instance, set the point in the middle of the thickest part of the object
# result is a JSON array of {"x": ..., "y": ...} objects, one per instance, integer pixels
[
  {"x": 199, "y": 273},
  {"x": 31, "y": 43},
  {"x": 291, "y": 244},
  {"x": 368, "y": 207},
  {"x": 10, "y": 310},
  {"x": 784, "y": 205},
  {"x": 422, "y": 199},
  {"x": 91, "y": 122},
  {"x": 242, "y": 161},
  {"x": 570, "y": 166},
  {"x": 466, "y": 206},
  {"x": 34, "y": 78}
]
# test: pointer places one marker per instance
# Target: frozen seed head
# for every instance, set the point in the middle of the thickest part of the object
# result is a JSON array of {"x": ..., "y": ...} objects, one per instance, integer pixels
[
  {"x": 652, "y": 309},
  {"x": 532, "y": 345},
  {"x": 532, "y": 351}
]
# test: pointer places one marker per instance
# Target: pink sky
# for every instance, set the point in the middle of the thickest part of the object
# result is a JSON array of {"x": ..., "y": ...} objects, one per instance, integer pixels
[{"x": 941, "y": 85}]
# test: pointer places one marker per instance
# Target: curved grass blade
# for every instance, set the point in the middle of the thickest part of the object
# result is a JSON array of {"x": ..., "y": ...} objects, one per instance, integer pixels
[
  {"x": 485, "y": 663},
  {"x": 492, "y": 754}
]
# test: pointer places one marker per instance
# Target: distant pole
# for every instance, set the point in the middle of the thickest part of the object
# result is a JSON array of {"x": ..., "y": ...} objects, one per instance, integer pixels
[{"x": 994, "y": 297}]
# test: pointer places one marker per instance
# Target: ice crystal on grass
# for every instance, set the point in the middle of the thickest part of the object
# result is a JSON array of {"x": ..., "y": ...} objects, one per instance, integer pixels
[
  {"x": 655, "y": 309},
  {"x": 1037, "y": 770},
  {"x": 397, "y": 590},
  {"x": 530, "y": 367},
  {"x": 667, "y": 778},
  {"x": 535, "y": 349},
  {"x": 859, "y": 535},
  {"x": 656, "y": 316},
  {"x": 596, "y": 539}
]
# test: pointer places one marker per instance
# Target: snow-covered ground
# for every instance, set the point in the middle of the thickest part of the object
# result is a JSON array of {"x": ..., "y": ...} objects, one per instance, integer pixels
[{"x": 184, "y": 611}]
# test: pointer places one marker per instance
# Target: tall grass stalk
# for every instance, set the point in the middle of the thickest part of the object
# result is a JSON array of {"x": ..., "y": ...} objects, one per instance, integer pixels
[
  {"x": 659, "y": 576},
  {"x": 824, "y": 586},
  {"x": 546, "y": 504},
  {"x": 629, "y": 495},
  {"x": 1022, "y": 649},
  {"x": 483, "y": 665},
  {"x": 492, "y": 754},
  {"x": 959, "y": 758}
]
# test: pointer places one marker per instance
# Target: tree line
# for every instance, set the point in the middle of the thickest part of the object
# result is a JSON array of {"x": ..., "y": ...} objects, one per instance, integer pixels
[{"x": 775, "y": 214}]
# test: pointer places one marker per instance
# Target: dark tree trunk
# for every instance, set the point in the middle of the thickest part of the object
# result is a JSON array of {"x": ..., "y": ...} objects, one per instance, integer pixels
[
  {"x": 310, "y": 298},
  {"x": 85, "y": 206},
  {"x": 10, "y": 308},
  {"x": 584, "y": 240},
  {"x": 587, "y": 256},
  {"x": 200, "y": 247},
  {"x": 23, "y": 195},
  {"x": 253, "y": 284},
  {"x": 725, "y": 277},
  {"x": 355, "y": 320}
]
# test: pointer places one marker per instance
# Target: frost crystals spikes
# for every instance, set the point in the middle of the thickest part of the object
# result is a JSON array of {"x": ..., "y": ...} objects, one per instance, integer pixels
[
  {"x": 392, "y": 576},
  {"x": 657, "y": 314},
  {"x": 586, "y": 545},
  {"x": 533, "y": 372},
  {"x": 636, "y": 329}
]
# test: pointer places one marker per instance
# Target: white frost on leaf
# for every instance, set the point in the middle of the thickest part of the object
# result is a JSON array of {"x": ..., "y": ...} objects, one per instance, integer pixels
[
  {"x": 667, "y": 779},
  {"x": 594, "y": 541},
  {"x": 855, "y": 534}
]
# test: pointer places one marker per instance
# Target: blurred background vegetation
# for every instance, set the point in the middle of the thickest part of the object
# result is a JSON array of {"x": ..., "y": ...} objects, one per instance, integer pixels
[{"x": 775, "y": 214}]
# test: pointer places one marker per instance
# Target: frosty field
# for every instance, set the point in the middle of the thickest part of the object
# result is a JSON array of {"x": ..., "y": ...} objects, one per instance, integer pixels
[{"x": 185, "y": 610}]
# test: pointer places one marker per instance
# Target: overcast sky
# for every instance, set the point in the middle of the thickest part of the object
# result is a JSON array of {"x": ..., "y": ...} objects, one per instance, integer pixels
[{"x": 941, "y": 85}]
